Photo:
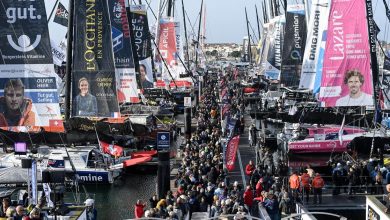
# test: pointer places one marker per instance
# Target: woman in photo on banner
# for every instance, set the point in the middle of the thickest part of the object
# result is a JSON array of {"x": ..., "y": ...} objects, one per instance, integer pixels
[{"x": 85, "y": 104}]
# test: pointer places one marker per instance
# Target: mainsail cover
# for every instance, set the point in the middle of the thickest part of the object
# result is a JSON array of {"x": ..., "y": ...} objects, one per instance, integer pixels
[
  {"x": 123, "y": 54},
  {"x": 94, "y": 83},
  {"x": 317, "y": 25},
  {"x": 347, "y": 50},
  {"x": 294, "y": 45},
  {"x": 28, "y": 82}
]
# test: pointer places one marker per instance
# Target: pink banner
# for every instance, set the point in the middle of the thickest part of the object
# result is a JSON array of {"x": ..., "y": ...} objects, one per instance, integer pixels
[
  {"x": 231, "y": 152},
  {"x": 326, "y": 130},
  {"x": 346, "y": 78},
  {"x": 318, "y": 146},
  {"x": 167, "y": 42}
]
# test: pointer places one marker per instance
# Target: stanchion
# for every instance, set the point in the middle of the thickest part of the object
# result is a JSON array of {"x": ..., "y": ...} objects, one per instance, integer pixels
[{"x": 163, "y": 174}]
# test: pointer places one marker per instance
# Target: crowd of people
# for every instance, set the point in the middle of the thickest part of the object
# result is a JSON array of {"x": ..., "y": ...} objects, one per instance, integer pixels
[{"x": 203, "y": 183}]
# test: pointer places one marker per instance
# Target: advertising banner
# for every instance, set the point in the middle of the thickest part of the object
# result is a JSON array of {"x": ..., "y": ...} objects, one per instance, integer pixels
[
  {"x": 28, "y": 82},
  {"x": 58, "y": 27},
  {"x": 94, "y": 83},
  {"x": 123, "y": 53},
  {"x": 318, "y": 146},
  {"x": 167, "y": 47},
  {"x": 142, "y": 41},
  {"x": 293, "y": 45},
  {"x": 245, "y": 49},
  {"x": 346, "y": 77},
  {"x": 231, "y": 152},
  {"x": 319, "y": 9}
]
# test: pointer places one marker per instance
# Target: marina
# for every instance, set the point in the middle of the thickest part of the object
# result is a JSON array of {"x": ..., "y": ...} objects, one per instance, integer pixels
[{"x": 210, "y": 109}]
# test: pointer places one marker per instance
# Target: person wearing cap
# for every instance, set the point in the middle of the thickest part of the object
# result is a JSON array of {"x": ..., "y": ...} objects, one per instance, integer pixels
[
  {"x": 91, "y": 211},
  {"x": 318, "y": 183},
  {"x": 337, "y": 178}
]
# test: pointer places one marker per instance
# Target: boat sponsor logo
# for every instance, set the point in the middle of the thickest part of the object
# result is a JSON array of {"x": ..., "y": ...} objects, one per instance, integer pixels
[
  {"x": 94, "y": 82},
  {"x": 314, "y": 40},
  {"x": 117, "y": 40},
  {"x": 163, "y": 140},
  {"x": 24, "y": 43},
  {"x": 346, "y": 76},
  {"x": 24, "y": 36},
  {"x": 22, "y": 13},
  {"x": 92, "y": 176}
]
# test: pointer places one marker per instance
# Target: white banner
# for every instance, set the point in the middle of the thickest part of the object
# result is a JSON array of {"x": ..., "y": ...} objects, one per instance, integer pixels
[{"x": 317, "y": 25}]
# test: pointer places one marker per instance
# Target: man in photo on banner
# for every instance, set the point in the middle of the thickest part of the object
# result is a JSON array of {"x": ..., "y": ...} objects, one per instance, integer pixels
[
  {"x": 85, "y": 104},
  {"x": 356, "y": 97},
  {"x": 144, "y": 82},
  {"x": 15, "y": 109}
]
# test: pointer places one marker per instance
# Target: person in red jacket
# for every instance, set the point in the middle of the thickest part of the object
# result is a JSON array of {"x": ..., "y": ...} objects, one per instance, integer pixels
[
  {"x": 139, "y": 209},
  {"x": 248, "y": 197},
  {"x": 317, "y": 183},
  {"x": 259, "y": 187},
  {"x": 305, "y": 181},
  {"x": 249, "y": 168}
]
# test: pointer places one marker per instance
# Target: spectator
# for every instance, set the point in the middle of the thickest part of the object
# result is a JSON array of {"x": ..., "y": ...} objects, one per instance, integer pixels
[
  {"x": 139, "y": 209},
  {"x": 318, "y": 183}
]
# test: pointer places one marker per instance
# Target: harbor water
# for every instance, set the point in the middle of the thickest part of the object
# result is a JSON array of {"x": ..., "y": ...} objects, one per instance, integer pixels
[{"x": 117, "y": 201}]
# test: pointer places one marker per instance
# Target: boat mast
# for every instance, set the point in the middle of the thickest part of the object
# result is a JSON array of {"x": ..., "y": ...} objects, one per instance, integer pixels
[
  {"x": 258, "y": 22},
  {"x": 187, "y": 58},
  {"x": 69, "y": 56},
  {"x": 197, "y": 43},
  {"x": 249, "y": 38},
  {"x": 374, "y": 65}
]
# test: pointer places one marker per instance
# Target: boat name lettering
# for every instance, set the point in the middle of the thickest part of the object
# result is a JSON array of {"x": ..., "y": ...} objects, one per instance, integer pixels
[
  {"x": 164, "y": 37},
  {"x": 89, "y": 178},
  {"x": 314, "y": 40},
  {"x": 278, "y": 59},
  {"x": 138, "y": 34},
  {"x": 338, "y": 36},
  {"x": 22, "y": 13},
  {"x": 104, "y": 82},
  {"x": 90, "y": 36},
  {"x": 297, "y": 37},
  {"x": 123, "y": 17}
]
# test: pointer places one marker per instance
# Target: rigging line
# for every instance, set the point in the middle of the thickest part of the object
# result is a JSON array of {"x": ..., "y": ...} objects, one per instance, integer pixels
[
  {"x": 253, "y": 32},
  {"x": 148, "y": 3},
  {"x": 189, "y": 21}
]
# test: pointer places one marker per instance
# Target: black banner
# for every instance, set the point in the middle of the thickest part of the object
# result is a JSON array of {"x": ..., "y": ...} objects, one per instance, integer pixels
[
  {"x": 94, "y": 84},
  {"x": 121, "y": 41},
  {"x": 142, "y": 43},
  {"x": 139, "y": 22},
  {"x": 293, "y": 46},
  {"x": 24, "y": 36},
  {"x": 61, "y": 16}
]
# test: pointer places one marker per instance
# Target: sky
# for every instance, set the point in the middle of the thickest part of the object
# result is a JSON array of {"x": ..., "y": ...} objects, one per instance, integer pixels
[{"x": 225, "y": 19}]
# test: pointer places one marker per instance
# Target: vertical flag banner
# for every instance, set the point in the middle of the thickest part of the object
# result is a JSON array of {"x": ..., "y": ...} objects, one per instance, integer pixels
[
  {"x": 231, "y": 152},
  {"x": 346, "y": 76},
  {"x": 26, "y": 66},
  {"x": 142, "y": 41},
  {"x": 245, "y": 51},
  {"x": 58, "y": 27},
  {"x": 293, "y": 45},
  {"x": 317, "y": 25},
  {"x": 167, "y": 47},
  {"x": 123, "y": 53},
  {"x": 94, "y": 83}
]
